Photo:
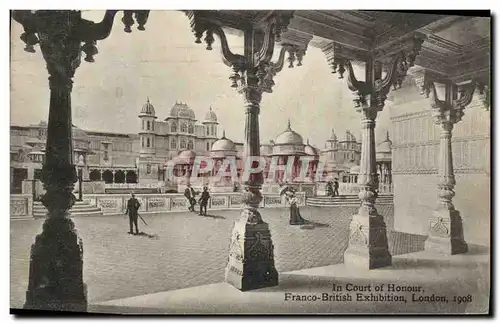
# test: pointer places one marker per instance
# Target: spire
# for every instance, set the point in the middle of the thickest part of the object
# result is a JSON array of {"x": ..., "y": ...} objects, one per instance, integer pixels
[
  {"x": 289, "y": 127},
  {"x": 223, "y": 134},
  {"x": 307, "y": 141},
  {"x": 210, "y": 109},
  {"x": 147, "y": 99},
  {"x": 387, "y": 136}
]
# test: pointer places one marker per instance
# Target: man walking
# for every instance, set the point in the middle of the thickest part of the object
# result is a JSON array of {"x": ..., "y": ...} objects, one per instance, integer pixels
[
  {"x": 133, "y": 206},
  {"x": 189, "y": 193},
  {"x": 205, "y": 196},
  {"x": 336, "y": 187}
]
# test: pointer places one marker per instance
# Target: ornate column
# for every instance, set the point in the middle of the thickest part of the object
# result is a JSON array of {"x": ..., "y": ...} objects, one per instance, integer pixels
[
  {"x": 56, "y": 264},
  {"x": 251, "y": 251},
  {"x": 445, "y": 224},
  {"x": 368, "y": 245}
]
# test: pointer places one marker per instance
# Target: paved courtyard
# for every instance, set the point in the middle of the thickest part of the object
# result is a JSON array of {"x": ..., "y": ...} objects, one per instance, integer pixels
[{"x": 184, "y": 250}]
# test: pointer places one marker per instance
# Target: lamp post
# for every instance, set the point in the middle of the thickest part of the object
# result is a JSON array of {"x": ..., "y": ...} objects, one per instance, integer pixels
[{"x": 80, "y": 167}]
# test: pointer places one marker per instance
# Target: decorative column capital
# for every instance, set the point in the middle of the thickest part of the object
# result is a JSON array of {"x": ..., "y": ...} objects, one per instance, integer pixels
[{"x": 253, "y": 70}]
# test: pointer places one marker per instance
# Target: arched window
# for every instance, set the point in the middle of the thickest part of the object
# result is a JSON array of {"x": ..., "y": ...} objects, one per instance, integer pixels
[
  {"x": 191, "y": 129},
  {"x": 173, "y": 143},
  {"x": 190, "y": 145},
  {"x": 148, "y": 143},
  {"x": 143, "y": 124},
  {"x": 148, "y": 125},
  {"x": 213, "y": 130},
  {"x": 183, "y": 128},
  {"x": 183, "y": 143},
  {"x": 173, "y": 127}
]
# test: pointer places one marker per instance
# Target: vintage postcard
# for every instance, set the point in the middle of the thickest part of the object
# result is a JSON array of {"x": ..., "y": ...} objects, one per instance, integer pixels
[{"x": 250, "y": 162}]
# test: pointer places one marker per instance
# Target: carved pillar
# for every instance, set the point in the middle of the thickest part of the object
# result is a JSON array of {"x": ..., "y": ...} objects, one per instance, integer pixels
[
  {"x": 368, "y": 245},
  {"x": 56, "y": 264},
  {"x": 445, "y": 225},
  {"x": 251, "y": 251}
]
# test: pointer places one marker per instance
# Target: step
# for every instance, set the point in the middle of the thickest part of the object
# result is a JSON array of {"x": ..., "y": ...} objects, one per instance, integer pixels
[{"x": 73, "y": 214}]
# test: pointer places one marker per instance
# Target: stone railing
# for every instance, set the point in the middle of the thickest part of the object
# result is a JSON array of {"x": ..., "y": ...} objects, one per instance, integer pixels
[
  {"x": 159, "y": 203},
  {"x": 309, "y": 189},
  {"x": 21, "y": 206},
  {"x": 346, "y": 188}
]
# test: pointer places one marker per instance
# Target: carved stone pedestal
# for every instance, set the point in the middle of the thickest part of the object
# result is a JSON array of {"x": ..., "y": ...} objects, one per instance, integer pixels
[
  {"x": 446, "y": 233},
  {"x": 368, "y": 247},
  {"x": 251, "y": 256},
  {"x": 56, "y": 269}
]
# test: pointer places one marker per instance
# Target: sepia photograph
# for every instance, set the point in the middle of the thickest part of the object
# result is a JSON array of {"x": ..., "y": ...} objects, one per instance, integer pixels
[{"x": 250, "y": 162}]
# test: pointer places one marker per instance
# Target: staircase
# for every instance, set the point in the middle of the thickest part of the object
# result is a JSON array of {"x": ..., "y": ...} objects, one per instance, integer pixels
[
  {"x": 80, "y": 208},
  {"x": 346, "y": 200}
]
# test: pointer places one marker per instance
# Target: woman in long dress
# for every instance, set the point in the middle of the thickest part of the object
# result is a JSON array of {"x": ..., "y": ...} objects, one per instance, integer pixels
[{"x": 295, "y": 217}]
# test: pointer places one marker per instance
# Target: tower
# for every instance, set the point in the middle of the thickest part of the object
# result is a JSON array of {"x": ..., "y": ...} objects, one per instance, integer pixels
[
  {"x": 147, "y": 130},
  {"x": 210, "y": 129}
]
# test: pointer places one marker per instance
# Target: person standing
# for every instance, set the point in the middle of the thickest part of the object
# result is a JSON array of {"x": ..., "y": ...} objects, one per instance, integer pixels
[
  {"x": 205, "y": 196},
  {"x": 133, "y": 206},
  {"x": 336, "y": 187},
  {"x": 189, "y": 193},
  {"x": 329, "y": 189}
]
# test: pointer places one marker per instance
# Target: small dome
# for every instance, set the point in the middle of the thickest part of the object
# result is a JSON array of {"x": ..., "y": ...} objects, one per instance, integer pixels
[
  {"x": 223, "y": 144},
  {"x": 289, "y": 137},
  {"x": 148, "y": 108},
  {"x": 182, "y": 110},
  {"x": 210, "y": 116},
  {"x": 310, "y": 150},
  {"x": 354, "y": 169},
  {"x": 385, "y": 146},
  {"x": 79, "y": 134},
  {"x": 187, "y": 154}
]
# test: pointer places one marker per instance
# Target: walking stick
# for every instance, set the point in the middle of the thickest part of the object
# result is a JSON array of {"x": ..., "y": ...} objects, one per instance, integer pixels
[{"x": 142, "y": 219}]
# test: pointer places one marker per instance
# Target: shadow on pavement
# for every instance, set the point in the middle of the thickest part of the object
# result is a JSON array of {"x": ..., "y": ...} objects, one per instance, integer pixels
[
  {"x": 150, "y": 236},
  {"x": 215, "y": 216},
  {"x": 312, "y": 225}
]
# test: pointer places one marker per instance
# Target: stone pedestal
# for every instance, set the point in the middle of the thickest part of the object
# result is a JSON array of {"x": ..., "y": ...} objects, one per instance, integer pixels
[
  {"x": 446, "y": 233},
  {"x": 56, "y": 269},
  {"x": 251, "y": 256},
  {"x": 368, "y": 247}
]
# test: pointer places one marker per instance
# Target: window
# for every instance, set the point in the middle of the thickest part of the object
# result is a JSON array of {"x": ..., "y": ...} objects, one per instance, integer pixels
[
  {"x": 183, "y": 128},
  {"x": 148, "y": 143},
  {"x": 148, "y": 168},
  {"x": 149, "y": 125},
  {"x": 183, "y": 143},
  {"x": 190, "y": 145},
  {"x": 142, "y": 144},
  {"x": 173, "y": 127},
  {"x": 213, "y": 130},
  {"x": 191, "y": 129},
  {"x": 173, "y": 143},
  {"x": 208, "y": 146},
  {"x": 152, "y": 125},
  {"x": 208, "y": 130},
  {"x": 143, "y": 124}
]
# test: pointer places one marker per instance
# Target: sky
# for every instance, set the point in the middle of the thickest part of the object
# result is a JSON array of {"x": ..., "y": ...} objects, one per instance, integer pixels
[{"x": 164, "y": 64}]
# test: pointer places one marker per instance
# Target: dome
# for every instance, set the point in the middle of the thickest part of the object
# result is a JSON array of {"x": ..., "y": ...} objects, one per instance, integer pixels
[
  {"x": 289, "y": 137},
  {"x": 79, "y": 134},
  {"x": 333, "y": 137},
  {"x": 210, "y": 116},
  {"x": 354, "y": 169},
  {"x": 182, "y": 110},
  {"x": 310, "y": 150},
  {"x": 223, "y": 144},
  {"x": 385, "y": 146},
  {"x": 148, "y": 108},
  {"x": 187, "y": 154}
]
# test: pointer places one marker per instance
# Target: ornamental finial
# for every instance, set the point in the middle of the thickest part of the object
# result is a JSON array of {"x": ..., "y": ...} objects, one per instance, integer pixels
[
  {"x": 289, "y": 127},
  {"x": 223, "y": 133}
]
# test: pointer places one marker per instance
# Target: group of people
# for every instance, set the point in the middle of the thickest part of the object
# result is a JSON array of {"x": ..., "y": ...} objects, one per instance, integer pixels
[
  {"x": 190, "y": 194},
  {"x": 332, "y": 188}
]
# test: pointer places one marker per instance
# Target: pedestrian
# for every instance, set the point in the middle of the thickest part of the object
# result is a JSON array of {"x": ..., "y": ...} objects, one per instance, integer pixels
[
  {"x": 133, "y": 206},
  {"x": 329, "y": 189},
  {"x": 336, "y": 187},
  {"x": 189, "y": 193},
  {"x": 205, "y": 196}
]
